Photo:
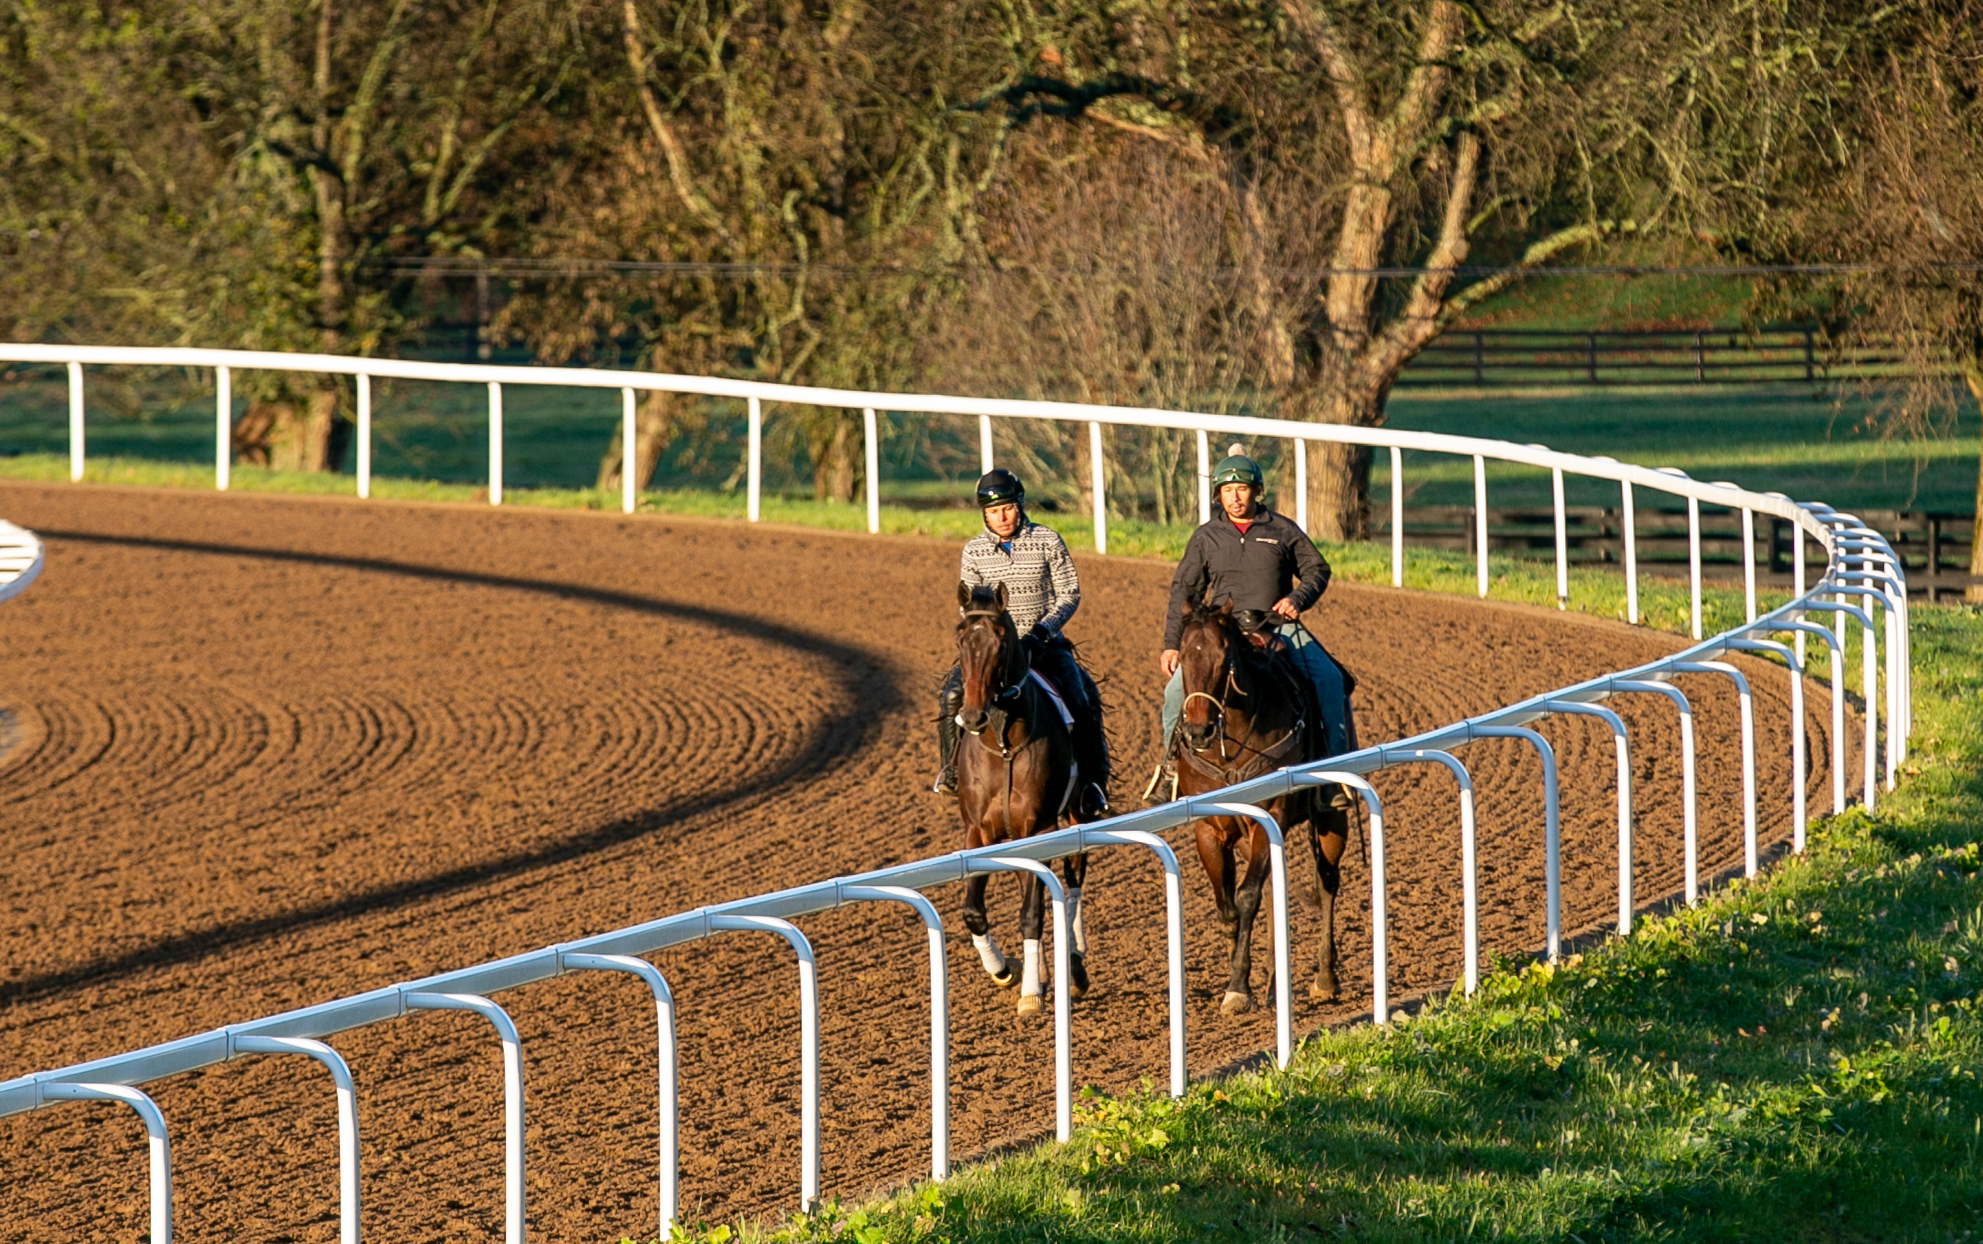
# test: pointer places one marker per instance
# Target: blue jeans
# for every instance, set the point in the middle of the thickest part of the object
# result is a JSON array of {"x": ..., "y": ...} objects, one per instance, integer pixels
[{"x": 1311, "y": 659}]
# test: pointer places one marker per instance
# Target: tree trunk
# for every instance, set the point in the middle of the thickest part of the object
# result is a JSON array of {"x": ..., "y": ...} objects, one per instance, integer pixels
[
  {"x": 1973, "y": 373},
  {"x": 832, "y": 444},
  {"x": 1339, "y": 474},
  {"x": 289, "y": 435},
  {"x": 653, "y": 429}
]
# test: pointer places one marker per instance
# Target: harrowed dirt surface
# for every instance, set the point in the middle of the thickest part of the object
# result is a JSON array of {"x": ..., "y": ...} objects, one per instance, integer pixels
[{"x": 263, "y": 752}]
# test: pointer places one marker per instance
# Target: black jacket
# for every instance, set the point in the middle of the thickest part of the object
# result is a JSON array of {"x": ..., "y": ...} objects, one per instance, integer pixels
[{"x": 1253, "y": 569}]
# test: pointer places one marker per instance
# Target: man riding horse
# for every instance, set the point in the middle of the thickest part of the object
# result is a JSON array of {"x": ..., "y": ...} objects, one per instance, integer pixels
[
  {"x": 1271, "y": 572},
  {"x": 1042, "y": 591}
]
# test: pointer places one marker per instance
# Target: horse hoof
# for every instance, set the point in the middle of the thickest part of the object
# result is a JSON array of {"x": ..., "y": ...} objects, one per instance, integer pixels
[
  {"x": 1077, "y": 976},
  {"x": 1030, "y": 1004},
  {"x": 1006, "y": 979},
  {"x": 1236, "y": 1003},
  {"x": 1319, "y": 992}
]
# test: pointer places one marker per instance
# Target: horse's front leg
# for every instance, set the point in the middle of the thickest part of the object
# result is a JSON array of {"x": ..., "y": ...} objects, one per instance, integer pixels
[
  {"x": 1032, "y": 894},
  {"x": 980, "y": 930},
  {"x": 1074, "y": 869},
  {"x": 1246, "y": 906},
  {"x": 1328, "y": 835}
]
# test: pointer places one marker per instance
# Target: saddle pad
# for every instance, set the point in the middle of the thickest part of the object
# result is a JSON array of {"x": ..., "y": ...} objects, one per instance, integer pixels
[{"x": 1066, "y": 718}]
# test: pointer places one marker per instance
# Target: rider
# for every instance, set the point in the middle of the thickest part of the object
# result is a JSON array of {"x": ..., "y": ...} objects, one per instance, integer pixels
[
  {"x": 1252, "y": 556},
  {"x": 1042, "y": 592}
]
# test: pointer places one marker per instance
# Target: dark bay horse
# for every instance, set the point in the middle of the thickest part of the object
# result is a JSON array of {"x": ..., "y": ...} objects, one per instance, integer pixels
[
  {"x": 1016, "y": 775},
  {"x": 1246, "y": 714}
]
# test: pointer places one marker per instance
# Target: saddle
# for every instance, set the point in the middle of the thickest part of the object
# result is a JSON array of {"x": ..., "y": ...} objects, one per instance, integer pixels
[{"x": 1274, "y": 652}]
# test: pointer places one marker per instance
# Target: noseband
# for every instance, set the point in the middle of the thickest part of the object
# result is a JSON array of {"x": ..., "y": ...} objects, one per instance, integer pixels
[{"x": 979, "y": 617}]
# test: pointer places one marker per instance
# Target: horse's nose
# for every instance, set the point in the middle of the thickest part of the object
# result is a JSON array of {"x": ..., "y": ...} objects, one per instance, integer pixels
[
  {"x": 1199, "y": 737},
  {"x": 973, "y": 722}
]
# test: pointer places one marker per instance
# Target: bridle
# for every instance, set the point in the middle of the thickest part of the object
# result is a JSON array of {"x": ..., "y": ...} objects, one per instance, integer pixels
[
  {"x": 1229, "y": 678},
  {"x": 999, "y": 714}
]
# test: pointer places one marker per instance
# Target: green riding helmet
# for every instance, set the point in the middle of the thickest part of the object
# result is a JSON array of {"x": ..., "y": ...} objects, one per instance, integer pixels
[{"x": 1239, "y": 469}]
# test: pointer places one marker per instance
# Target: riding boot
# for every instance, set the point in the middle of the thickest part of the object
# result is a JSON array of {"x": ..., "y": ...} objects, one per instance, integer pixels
[
  {"x": 1091, "y": 752},
  {"x": 949, "y": 702}
]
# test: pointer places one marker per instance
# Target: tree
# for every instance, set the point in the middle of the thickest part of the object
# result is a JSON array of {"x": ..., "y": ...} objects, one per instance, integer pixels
[
  {"x": 1366, "y": 150},
  {"x": 802, "y": 165}
]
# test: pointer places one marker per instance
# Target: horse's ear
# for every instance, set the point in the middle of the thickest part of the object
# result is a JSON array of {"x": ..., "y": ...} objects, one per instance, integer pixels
[
  {"x": 999, "y": 596},
  {"x": 963, "y": 594},
  {"x": 1225, "y": 610}
]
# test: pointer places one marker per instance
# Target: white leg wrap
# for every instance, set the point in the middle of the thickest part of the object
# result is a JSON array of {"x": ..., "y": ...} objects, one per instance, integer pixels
[
  {"x": 988, "y": 954},
  {"x": 1074, "y": 923},
  {"x": 1029, "y": 984}
]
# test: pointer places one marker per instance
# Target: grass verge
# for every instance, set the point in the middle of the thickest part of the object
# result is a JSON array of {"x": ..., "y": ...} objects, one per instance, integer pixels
[
  {"x": 1664, "y": 604},
  {"x": 1794, "y": 1059}
]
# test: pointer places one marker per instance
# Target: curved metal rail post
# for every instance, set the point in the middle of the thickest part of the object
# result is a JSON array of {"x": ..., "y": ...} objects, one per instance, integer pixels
[
  {"x": 347, "y": 1117},
  {"x": 159, "y": 1147},
  {"x": 1552, "y": 831},
  {"x": 1301, "y": 483},
  {"x": 1380, "y": 995},
  {"x": 985, "y": 454},
  {"x": 1562, "y": 541},
  {"x": 1869, "y": 677},
  {"x": 1173, "y": 932},
  {"x": 1799, "y": 813},
  {"x": 939, "y": 1012},
  {"x": 75, "y": 422},
  {"x": 364, "y": 436},
  {"x": 512, "y": 1094},
  {"x": 1469, "y": 888},
  {"x": 1063, "y": 1045},
  {"x": 1480, "y": 523},
  {"x": 495, "y": 443},
  {"x": 871, "y": 462},
  {"x": 754, "y": 471},
  {"x": 1694, "y": 560},
  {"x": 808, "y": 1040},
  {"x": 1893, "y": 623},
  {"x": 664, "y": 1022},
  {"x": 1689, "y": 806},
  {"x": 1630, "y": 539},
  {"x": 1397, "y": 516},
  {"x": 629, "y": 440},
  {"x": 1277, "y": 858},
  {"x": 1624, "y": 749},
  {"x": 1205, "y": 478},
  {"x": 1098, "y": 481},
  {"x": 1748, "y": 703},
  {"x": 223, "y": 425},
  {"x": 1801, "y": 629}
]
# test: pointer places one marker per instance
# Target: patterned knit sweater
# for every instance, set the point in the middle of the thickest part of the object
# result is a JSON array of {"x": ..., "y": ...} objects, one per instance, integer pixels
[{"x": 1041, "y": 588}]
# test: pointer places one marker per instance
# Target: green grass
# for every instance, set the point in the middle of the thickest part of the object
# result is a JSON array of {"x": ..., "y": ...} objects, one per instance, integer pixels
[
  {"x": 1794, "y": 1059},
  {"x": 1664, "y": 603}
]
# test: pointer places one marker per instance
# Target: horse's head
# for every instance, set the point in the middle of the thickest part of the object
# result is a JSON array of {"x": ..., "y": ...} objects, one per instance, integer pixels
[
  {"x": 1209, "y": 650},
  {"x": 988, "y": 652}
]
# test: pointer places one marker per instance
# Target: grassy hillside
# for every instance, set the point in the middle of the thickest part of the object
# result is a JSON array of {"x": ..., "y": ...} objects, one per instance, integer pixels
[{"x": 1795, "y": 1059}]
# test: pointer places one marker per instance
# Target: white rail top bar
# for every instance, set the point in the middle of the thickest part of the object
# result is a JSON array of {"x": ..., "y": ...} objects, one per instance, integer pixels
[{"x": 1011, "y": 408}]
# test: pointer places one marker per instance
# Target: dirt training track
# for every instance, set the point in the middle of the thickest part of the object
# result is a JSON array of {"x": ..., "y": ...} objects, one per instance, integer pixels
[{"x": 260, "y": 753}]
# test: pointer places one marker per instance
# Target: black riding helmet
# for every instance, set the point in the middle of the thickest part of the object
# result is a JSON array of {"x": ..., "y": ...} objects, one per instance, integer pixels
[{"x": 999, "y": 486}]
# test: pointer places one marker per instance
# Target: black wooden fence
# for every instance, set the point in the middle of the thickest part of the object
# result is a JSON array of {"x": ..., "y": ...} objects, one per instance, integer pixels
[
  {"x": 1516, "y": 357},
  {"x": 1934, "y": 547}
]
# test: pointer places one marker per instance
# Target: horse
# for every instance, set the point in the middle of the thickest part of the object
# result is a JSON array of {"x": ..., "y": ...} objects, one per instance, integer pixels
[
  {"x": 1016, "y": 776},
  {"x": 1246, "y": 713}
]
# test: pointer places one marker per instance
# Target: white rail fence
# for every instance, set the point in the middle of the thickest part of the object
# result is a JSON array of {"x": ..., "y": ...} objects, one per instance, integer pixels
[{"x": 1863, "y": 582}]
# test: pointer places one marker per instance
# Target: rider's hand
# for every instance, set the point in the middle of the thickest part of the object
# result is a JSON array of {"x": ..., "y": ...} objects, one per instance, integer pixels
[
  {"x": 1169, "y": 662},
  {"x": 1285, "y": 608},
  {"x": 1034, "y": 642}
]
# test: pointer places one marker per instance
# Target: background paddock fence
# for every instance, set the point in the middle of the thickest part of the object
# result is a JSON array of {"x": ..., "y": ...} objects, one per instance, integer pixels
[{"x": 1860, "y": 594}]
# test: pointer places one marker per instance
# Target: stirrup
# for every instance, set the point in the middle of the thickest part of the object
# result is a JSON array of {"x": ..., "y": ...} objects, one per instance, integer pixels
[
  {"x": 1162, "y": 777},
  {"x": 946, "y": 782},
  {"x": 1094, "y": 801}
]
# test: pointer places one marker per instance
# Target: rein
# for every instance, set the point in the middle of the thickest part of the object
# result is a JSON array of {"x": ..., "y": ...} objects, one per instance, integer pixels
[
  {"x": 999, "y": 718},
  {"x": 1264, "y": 758}
]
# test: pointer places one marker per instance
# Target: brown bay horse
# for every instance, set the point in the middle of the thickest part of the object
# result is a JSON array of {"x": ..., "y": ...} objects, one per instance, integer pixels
[
  {"x": 1245, "y": 714},
  {"x": 1016, "y": 774}
]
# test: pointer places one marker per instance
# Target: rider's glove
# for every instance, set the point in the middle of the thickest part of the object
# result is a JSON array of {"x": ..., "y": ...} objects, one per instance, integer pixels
[{"x": 1035, "y": 642}]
